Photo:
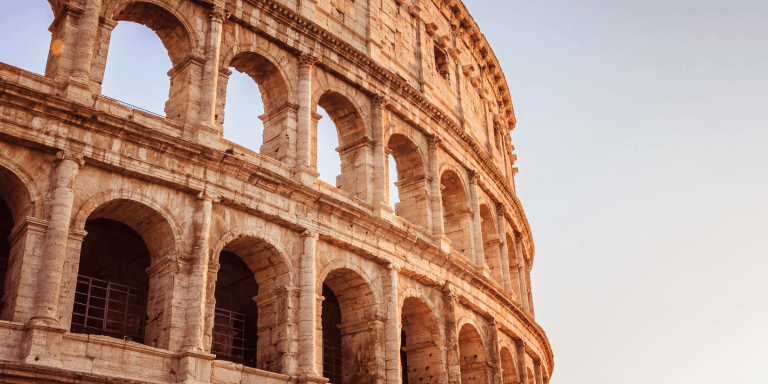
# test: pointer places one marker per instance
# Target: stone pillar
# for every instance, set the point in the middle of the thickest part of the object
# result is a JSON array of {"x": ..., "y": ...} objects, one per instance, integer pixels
[
  {"x": 477, "y": 233},
  {"x": 308, "y": 310},
  {"x": 373, "y": 33},
  {"x": 304, "y": 171},
  {"x": 26, "y": 240},
  {"x": 56, "y": 237},
  {"x": 537, "y": 372},
  {"x": 307, "y": 9},
  {"x": 380, "y": 200},
  {"x": 521, "y": 369},
  {"x": 521, "y": 274},
  {"x": 451, "y": 336},
  {"x": 198, "y": 280},
  {"x": 495, "y": 352},
  {"x": 78, "y": 88},
  {"x": 277, "y": 348},
  {"x": 392, "y": 326},
  {"x": 503, "y": 250},
  {"x": 438, "y": 232},
  {"x": 530, "y": 291},
  {"x": 207, "y": 131}
]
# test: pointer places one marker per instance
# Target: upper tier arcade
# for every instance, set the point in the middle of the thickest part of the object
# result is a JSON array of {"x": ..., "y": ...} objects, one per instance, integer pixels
[{"x": 230, "y": 265}]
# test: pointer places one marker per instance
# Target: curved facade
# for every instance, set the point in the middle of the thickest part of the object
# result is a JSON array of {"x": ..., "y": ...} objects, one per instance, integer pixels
[{"x": 143, "y": 248}]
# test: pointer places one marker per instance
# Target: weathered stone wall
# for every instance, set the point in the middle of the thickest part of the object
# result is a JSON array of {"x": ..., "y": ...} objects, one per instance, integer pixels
[{"x": 448, "y": 267}]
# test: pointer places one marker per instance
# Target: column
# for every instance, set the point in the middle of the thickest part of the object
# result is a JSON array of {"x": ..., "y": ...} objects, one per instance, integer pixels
[
  {"x": 304, "y": 171},
  {"x": 195, "y": 302},
  {"x": 438, "y": 232},
  {"x": 530, "y": 291},
  {"x": 521, "y": 369},
  {"x": 308, "y": 309},
  {"x": 380, "y": 201},
  {"x": 207, "y": 131},
  {"x": 503, "y": 250},
  {"x": 78, "y": 88},
  {"x": 392, "y": 327},
  {"x": 477, "y": 233},
  {"x": 56, "y": 236},
  {"x": 521, "y": 274},
  {"x": 307, "y": 9},
  {"x": 537, "y": 372},
  {"x": 451, "y": 336},
  {"x": 495, "y": 357}
]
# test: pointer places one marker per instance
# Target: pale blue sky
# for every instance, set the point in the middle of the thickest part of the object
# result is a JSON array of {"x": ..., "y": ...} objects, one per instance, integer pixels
[{"x": 642, "y": 136}]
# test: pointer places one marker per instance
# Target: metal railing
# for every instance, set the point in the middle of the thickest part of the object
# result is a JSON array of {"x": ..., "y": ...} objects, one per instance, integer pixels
[
  {"x": 332, "y": 361},
  {"x": 229, "y": 338},
  {"x": 109, "y": 309},
  {"x": 133, "y": 107}
]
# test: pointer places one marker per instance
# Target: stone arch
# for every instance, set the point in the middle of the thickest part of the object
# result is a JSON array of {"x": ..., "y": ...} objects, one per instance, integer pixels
[
  {"x": 352, "y": 327},
  {"x": 20, "y": 191},
  {"x": 263, "y": 294},
  {"x": 419, "y": 347},
  {"x": 412, "y": 181},
  {"x": 508, "y": 365},
  {"x": 242, "y": 237},
  {"x": 340, "y": 265},
  {"x": 355, "y": 143},
  {"x": 278, "y": 97},
  {"x": 457, "y": 214},
  {"x": 473, "y": 361},
  {"x": 172, "y": 28},
  {"x": 153, "y": 221},
  {"x": 491, "y": 241}
]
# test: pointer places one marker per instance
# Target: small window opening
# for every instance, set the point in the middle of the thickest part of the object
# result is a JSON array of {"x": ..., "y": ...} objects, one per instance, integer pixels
[{"x": 441, "y": 63}]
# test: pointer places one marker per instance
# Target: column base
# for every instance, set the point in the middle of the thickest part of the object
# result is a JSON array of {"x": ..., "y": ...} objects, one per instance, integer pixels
[
  {"x": 195, "y": 367},
  {"x": 383, "y": 210},
  {"x": 305, "y": 175},
  {"x": 442, "y": 242},
  {"x": 42, "y": 345},
  {"x": 203, "y": 134},
  {"x": 78, "y": 92},
  {"x": 311, "y": 379}
]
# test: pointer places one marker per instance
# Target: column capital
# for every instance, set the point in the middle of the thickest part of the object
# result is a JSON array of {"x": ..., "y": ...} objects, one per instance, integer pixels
[
  {"x": 474, "y": 176},
  {"x": 501, "y": 209},
  {"x": 380, "y": 100},
  {"x": 68, "y": 155},
  {"x": 309, "y": 233},
  {"x": 307, "y": 60},
  {"x": 218, "y": 15},
  {"x": 434, "y": 141}
]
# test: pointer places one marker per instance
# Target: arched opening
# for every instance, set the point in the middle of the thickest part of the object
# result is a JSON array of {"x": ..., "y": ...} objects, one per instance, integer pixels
[
  {"x": 258, "y": 115},
  {"x": 112, "y": 285},
  {"x": 508, "y": 367},
  {"x": 472, "y": 360},
  {"x": 355, "y": 148},
  {"x": 250, "y": 319},
  {"x": 491, "y": 242},
  {"x": 420, "y": 355},
  {"x": 15, "y": 206},
  {"x": 235, "y": 329},
  {"x": 360, "y": 328},
  {"x": 411, "y": 181},
  {"x": 457, "y": 216},
  {"x": 137, "y": 69},
  {"x": 116, "y": 293},
  {"x": 531, "y": 379},
  {"x": 26, "y": 39}
]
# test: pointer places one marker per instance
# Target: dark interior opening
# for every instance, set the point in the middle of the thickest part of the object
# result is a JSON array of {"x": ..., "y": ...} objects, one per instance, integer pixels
[
  {"x": 112, "y": 284},
  {"x": 235, "y": 329},
  {"x": 403, "y": 358},
  {"x": 331, "y": 319},
  {"x": 441, "y": 63},
  {"x": 6, "y": 225}
]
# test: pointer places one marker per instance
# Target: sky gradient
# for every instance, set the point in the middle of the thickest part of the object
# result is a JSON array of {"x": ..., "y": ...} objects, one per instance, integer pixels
[{"x": 642, "y": 135}]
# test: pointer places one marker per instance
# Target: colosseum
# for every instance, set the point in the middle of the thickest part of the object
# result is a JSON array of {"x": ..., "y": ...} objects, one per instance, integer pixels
[{"x": 136, "y": 247}]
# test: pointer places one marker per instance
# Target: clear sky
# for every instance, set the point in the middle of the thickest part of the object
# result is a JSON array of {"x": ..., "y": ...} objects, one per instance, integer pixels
[{"x": 642, "y": 140}]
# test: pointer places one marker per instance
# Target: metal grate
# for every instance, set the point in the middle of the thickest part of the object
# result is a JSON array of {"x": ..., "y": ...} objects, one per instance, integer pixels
[
  {"x": 332, "y": 361},
  {"x": 229, "y": 340},
  {"x": 104, "y": 308}
]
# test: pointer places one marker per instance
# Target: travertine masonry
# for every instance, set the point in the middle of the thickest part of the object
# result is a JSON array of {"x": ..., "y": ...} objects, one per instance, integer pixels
[{"x": 148, "y": 249}]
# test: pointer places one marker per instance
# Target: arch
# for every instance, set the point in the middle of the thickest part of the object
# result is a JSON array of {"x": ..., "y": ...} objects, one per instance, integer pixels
[
  {"x": 473, "y": 361},
  {"x": 20, "y": 191},
  {"x": 172, "y": 29},
  {"x": 364, "y": 277},
  {"x": 491, "y": 242},
  {"x": 252, "y": 243},
  {"x": 412, "y": 182},
  {"x": 348, "y": 101},
  {"x": 457, "y": 214},
  {"x": 280, "y": 66},
  {"x": 150, "y": 219},
  {"x": 419, "y": 351},
  {"x": 508, "y": 366}
]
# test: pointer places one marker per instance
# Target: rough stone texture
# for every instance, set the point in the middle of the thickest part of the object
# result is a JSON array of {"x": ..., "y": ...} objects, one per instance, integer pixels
[{"x": 448, "y": 267}]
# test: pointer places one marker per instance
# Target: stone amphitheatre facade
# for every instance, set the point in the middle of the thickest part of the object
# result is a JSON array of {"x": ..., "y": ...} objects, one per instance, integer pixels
[{"x": 141, "y": 248}]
